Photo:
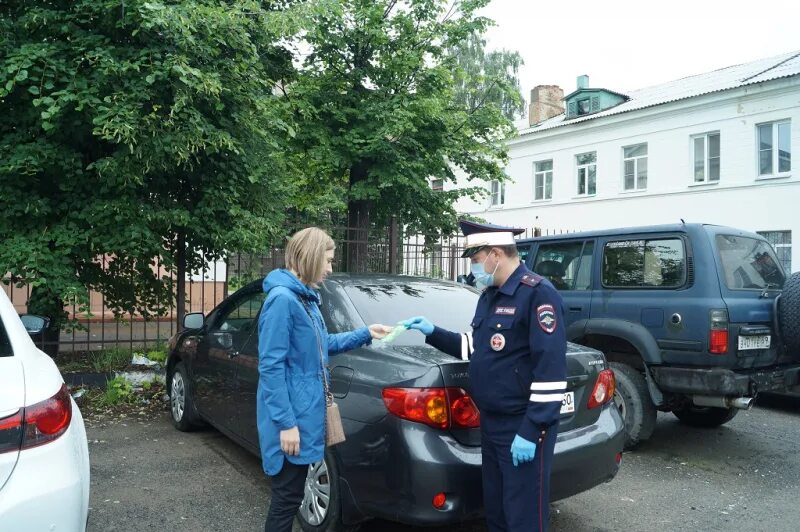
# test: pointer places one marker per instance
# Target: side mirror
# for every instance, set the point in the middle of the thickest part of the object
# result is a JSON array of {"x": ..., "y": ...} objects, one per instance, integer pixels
[
  {"x": 34, "y": 324},
  {"x": 193, "y": 320}
]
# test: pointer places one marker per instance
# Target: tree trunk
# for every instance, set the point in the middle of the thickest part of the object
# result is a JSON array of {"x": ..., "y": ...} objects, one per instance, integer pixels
[
  {"x": 358, "y": 222},
  {"x": 180, "y": 262}
]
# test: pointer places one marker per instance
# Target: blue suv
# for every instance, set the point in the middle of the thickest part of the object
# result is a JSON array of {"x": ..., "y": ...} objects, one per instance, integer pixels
[{"x": 695, "y": 319}]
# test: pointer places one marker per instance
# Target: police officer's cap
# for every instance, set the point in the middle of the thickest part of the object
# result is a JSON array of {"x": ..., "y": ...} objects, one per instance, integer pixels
[{"x": 480, "y": 236}]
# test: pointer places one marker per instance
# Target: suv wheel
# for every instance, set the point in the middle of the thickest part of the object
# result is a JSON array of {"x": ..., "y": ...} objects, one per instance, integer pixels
[
  {"x": 321, "y": 510},
  {"x": 698, "y": 416},
  {"x": 789, "y": 313},
  {"x": 633, "y": 400}
]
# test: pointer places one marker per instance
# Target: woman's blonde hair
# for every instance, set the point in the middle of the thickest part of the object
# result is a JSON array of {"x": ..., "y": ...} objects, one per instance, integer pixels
[{"x": 305, "y": 253}]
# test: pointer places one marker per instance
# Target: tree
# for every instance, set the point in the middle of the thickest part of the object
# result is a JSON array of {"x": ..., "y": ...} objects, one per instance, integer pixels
[
  {"x": 377, "y": 112},
  {"x": 138, "y": 136},
  {"x": 488, "y": 78}
]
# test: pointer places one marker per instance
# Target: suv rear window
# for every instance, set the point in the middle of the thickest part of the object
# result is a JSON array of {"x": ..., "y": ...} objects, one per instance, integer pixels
[
  {"x": 749, "y": 263},
  {"x": 657, "y": 263}
]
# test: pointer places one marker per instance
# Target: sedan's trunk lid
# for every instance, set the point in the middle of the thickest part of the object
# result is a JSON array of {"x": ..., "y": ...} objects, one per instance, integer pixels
[{"x": 583, "y": 367}]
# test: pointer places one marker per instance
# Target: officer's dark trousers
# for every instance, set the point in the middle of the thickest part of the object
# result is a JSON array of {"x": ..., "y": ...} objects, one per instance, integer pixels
[
  {"x": 516, "y": 499},
  {"x": 288, "y": 489}
]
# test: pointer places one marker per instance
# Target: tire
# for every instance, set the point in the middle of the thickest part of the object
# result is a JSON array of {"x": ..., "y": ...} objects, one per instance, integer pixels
[
  {"x": 181, "y": 406},
  {"x": 328, "y": 512},
  {"x": 707, "y": 417},
  {"x": 633, "y": 400},
  {"x": 789, "y": 314}
]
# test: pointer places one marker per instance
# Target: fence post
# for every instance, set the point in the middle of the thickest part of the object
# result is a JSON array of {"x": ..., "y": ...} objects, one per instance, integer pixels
[
  {"x": 453, "y": 262},
  {"x": 393, "y": 245}
]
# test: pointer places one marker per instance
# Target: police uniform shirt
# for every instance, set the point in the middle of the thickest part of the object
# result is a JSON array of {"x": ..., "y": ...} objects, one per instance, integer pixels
[{"x": 517, "y": 351}]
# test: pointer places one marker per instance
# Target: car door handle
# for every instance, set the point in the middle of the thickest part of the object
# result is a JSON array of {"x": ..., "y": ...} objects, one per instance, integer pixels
[
  {"x": 233, "y": 354},
  {"x": 575, "y": 309}
]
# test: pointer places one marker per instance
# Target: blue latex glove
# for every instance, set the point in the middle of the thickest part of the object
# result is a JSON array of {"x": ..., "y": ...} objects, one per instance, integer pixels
[
  {"x": 420, "y": 323},
  {"x": 522, "y": 450}
]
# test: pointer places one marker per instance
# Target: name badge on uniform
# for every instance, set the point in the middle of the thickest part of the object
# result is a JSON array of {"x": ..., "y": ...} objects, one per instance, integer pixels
[
  {"x": 506, "y": 311},
  {"x": 498, "y": 342}
]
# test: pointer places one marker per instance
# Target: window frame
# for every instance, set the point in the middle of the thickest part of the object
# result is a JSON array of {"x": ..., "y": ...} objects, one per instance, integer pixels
[
  {"x": 500, "y": 193},
  {"x": 437, "y": 185},
  {"x": 583, "y": 243},
  {"x": 687, "y": 257},
  {"x": 707, "y": 180},
  {"x": 547, "y": 175},
  {"x": 636, "y": 160},
  {"x": 774, "y": 149},
  {"x": 586, "y": 167}
]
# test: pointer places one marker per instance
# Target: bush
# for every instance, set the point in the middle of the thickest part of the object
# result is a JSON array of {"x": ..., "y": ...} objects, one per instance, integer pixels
[{"x": 118, "y": 390}]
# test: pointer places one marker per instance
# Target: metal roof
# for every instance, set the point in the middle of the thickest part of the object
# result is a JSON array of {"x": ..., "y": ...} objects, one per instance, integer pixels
[{"x": 733, "y": 77}]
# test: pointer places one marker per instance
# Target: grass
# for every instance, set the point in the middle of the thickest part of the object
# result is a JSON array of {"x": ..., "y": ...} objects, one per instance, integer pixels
[{"x": 112, "y": 359}]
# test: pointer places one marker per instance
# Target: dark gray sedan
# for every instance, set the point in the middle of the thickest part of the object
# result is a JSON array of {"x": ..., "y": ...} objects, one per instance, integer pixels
[{"x": 412, "y": 452}]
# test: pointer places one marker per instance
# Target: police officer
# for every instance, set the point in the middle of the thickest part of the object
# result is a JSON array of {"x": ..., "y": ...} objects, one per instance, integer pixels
[{"x": 517, "y": 353}]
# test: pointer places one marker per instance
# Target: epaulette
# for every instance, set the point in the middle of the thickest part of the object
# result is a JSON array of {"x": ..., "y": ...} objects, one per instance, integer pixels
[{"x": 531, "y": 279}]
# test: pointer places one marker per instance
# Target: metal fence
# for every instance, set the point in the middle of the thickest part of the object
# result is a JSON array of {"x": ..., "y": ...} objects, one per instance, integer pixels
[{"x": 381, "y": 251}]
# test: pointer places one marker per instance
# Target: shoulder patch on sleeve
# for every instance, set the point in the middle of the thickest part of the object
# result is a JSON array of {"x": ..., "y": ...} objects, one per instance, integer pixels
[
  {"x": 531, "y": 279},
  {"x": 546, "y": 315}
]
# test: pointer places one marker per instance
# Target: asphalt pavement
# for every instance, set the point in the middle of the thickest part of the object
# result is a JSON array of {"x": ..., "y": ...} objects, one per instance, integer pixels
[{"x": 744, "y": 476}]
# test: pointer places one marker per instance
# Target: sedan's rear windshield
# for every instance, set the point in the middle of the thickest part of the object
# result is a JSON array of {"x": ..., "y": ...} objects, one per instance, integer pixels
[
  {"x": 448, "y": 306},
  {"x": 5, "y": 345},
  {"x": 749, "y": 263}
]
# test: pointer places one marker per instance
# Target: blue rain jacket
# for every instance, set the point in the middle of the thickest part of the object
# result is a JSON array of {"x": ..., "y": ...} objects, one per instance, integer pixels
[{"x": 290, "y": 391}]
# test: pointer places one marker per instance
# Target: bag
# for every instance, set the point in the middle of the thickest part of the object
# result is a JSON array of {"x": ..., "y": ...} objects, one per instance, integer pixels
[{"x": 334, "y": 430}]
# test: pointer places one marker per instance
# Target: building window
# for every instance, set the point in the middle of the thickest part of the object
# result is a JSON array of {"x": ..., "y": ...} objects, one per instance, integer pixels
[
  {"x": 437, "y": 184},
  {"x": 706, "y": 157},
  {"x": 498, "y": 194},
  {"x": 774, "y": 148},
  {"x": 543, "y": 180},
  {"x": 584, "y": 106},
  {"x": 635, "y": 159},
  {"x": 587, "y": 173},
  {"x": 782, "y": 244}
]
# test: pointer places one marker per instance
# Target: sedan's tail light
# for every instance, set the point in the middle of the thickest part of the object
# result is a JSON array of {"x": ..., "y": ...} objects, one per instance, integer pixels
[
  {"x": 437, "y": 407},
  {"x": 603, "y": 389},
  {"x": 37, "y": 424}
]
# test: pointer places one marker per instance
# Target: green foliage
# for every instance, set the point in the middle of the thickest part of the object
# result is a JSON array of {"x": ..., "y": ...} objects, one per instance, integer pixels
[
  {"x": 378, "y": 111},
  {"x": 132, "y": 131},
  {"x": 488, "y": 78},
  {"x": 157, "y": 356},
  {"x": 109, "y": 359},
  {"x": 118, "y": 390}
]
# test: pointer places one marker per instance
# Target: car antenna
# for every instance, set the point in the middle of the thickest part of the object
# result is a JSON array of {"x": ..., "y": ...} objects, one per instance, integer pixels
[{"x": 684, "y": 223}]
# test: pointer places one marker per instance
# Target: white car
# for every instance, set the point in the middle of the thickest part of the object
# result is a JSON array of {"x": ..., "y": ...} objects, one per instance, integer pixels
[{"x": 44, "y": 456}]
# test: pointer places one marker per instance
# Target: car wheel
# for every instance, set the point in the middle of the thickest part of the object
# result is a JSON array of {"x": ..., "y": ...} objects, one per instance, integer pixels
[
  {"x": 709, "y": 417},
  {"x": 181, "y": 408},
  {"x": 321, "y": 510},
  {"x": 789, "y": 313},
  {"x": 633, "y": 400}
]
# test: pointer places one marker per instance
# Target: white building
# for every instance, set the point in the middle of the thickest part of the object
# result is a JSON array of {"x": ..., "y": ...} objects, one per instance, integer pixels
[{"x": 714, "y": 148}]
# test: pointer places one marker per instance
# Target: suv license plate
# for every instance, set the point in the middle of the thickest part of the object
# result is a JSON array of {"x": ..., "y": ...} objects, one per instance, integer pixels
[
  {"x": 568, "y": 403},
  {"x": 754, "y": 342}
]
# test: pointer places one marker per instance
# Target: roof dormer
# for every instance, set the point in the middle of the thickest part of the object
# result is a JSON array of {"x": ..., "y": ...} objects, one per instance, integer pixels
[{"x": 586, "y": 101}]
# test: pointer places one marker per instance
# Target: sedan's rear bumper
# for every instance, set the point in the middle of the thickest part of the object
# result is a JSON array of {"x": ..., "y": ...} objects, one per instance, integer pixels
[
  {"x": 49, "y": 488},
  {"x": 587, "y": 457},
  {"x": 424, "y": 462}
]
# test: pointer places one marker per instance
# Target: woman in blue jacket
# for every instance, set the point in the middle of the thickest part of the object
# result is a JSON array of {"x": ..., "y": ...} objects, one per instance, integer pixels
[{"x": 291, "y": 404}]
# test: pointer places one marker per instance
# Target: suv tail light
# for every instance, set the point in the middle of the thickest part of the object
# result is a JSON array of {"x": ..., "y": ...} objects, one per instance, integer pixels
[
  {"x": 37, "y": 424},
  {"x": 441, "y": 408},
  {"x": 718, "y": 331},
  {"x": 603, "y": 389}
]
